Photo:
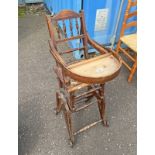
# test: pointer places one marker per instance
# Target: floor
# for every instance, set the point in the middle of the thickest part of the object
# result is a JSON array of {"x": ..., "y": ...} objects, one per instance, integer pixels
[{"x": 41, "y": 132}]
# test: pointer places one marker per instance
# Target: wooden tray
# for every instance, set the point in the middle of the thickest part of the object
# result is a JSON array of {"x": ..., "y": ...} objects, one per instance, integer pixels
[{"x": 96, "y": 70}]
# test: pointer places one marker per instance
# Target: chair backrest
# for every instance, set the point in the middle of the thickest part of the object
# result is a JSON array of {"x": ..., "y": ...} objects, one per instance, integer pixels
[
  {"x": 128, "y": 14},
  {"x": 67, "y": 26}
]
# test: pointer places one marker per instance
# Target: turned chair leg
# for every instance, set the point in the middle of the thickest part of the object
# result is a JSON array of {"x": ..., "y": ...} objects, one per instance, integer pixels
[
  {"x": 101, "y": 107},
  {"x": 133, "y": 69},
  {"x": 58, "y": 103},
  {"x": 68, "y": 120}
]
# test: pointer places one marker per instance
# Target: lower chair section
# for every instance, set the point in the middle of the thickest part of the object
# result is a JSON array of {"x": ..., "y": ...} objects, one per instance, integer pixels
[{"x": 63, "y": 103}]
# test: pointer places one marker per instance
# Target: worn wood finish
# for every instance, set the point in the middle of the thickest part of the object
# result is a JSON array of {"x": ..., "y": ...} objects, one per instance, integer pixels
[
  {"x": 64, "y": 28},
  {"x": 95, "y": 78},
  {"x": 89, "y": 74},
  {"x": 71, "y": 27},
  {"x": 58, "y": 30},
  {"x": 71, "y": 50},
  {"x": 66, "y": 14},
  {"x": 83, "y": 30},
  {"x": 97, "y": 67},
  {"x": 77, "y": 26},
  {"x": 129, "y": 40},
  {"x": 71, "y": 38}
]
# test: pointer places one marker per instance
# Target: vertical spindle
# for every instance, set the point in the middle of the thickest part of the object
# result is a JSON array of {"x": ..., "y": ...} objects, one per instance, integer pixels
[
  {"x": 71, "y": 27},
  {"x": 77, "y": 26},
  {"x": 57, "y": 29},
  {"x": 64, "y": 28}
]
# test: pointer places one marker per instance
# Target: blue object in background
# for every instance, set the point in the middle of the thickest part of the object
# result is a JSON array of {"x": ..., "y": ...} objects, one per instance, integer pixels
[
  {"x": 55, "y": 6},
  {"x": 100, "y": 16},
  {"x": 111, "y": 10},
  {"x": 33, "y": 1},
  {"x": 29, "y": 1},
  {"x": 21, "y": 1}
]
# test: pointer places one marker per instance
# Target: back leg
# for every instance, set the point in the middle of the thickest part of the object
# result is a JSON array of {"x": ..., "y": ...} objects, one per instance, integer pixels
[
  {"x": 101, "y": 106},
  {"x": 133, "y": 69},
  {"x": 68, "y": 120}
]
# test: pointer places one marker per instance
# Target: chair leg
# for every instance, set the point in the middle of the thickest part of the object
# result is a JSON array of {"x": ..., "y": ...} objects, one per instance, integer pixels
[
  {"x": 90, "y": 97},
  {"x": 58, "y": 103},
  {"x": 68, "y": 120},
  {"x": 58, "y": 98},
  {"x": 133, "y": 69},
  {"x": 71, "y": 101},
  {"x": 101, "y": 106},
  {"x": 118, "y": 46}
]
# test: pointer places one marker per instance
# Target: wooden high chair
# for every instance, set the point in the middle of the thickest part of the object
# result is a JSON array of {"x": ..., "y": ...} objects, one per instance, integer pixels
[
  {"x": 79, "y": 81},
  {"x": 129, "y": 40}
]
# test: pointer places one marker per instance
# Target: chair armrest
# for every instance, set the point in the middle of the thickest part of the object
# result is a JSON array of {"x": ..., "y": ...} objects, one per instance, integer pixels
[
  {"x": 96, "y": 45},
  {"x": 56, "y": 55}
]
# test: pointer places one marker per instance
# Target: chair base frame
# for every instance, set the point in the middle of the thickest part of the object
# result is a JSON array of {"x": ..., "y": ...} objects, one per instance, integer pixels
[
  {"x": 63, "y": 103},
  {"x": 71, "y": 82}
]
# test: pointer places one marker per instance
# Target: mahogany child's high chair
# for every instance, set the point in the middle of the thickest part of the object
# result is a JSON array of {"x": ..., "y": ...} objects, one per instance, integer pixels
[{"x": 87, "y": 74}]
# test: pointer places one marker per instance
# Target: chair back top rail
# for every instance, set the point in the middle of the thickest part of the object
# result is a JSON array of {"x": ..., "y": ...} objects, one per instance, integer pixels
[
  {"x": 64, "y": 32},
  {"x": 66, "y": 14}
]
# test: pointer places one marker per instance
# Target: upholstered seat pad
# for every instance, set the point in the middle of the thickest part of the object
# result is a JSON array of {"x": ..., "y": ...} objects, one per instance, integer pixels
[
  {"x": 98, "y": 67},
  {"x": 130, "y": 41}
]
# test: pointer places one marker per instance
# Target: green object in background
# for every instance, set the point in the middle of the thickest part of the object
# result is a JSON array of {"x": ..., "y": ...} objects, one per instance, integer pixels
[{"x": 21, "y": 11}]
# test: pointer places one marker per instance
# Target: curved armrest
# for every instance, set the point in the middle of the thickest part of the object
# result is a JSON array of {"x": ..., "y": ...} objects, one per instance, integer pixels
[
  {"x": 96, "y": 45},
  {"x": 55, "y": 54}
]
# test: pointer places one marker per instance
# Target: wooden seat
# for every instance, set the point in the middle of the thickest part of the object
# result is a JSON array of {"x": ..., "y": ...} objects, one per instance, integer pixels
[
  {"x": 80, "y": 81},
  {"x": 97, "y": 68},
  {"x": 130, "y": 50},
  {"x": 130, "y": 41}
]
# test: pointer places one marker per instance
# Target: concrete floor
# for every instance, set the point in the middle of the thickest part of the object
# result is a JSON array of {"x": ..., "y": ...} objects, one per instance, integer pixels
[{"x": 41, "y": 132}]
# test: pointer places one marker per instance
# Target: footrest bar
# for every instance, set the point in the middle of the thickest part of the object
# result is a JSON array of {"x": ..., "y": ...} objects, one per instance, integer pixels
[
  {"x": 87, "y": 127},
  {"x": 86, "y": 93},
  {"x": 83, "y": 107}
]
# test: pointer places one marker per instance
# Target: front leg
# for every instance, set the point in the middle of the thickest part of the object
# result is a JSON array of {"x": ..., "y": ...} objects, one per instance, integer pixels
[
  {"x": 101, "y": 106},
  {"x": 58, "y": 103}
]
